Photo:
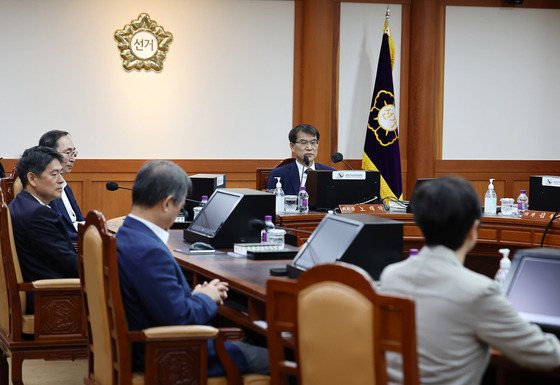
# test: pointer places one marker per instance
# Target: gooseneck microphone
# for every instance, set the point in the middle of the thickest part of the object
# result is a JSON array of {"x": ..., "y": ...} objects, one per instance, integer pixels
[
  {"x": 113, "y": 186},
  {"x": 337, "y": 157},
  {"x": 306, "y": 162}
]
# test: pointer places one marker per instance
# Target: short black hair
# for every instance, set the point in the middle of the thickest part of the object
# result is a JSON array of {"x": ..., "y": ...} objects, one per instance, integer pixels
[
  {"x": 445, "y": 210},
  {"x": 35, "y": 160},
  {"x": 307, "y": 128},
  {"x": 51, "y": 138},
  {"x": 157, "y": 180}
]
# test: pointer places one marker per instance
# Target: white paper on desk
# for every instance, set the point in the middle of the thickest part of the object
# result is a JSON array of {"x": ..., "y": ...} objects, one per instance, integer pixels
[{"x": 235, "y": 255}]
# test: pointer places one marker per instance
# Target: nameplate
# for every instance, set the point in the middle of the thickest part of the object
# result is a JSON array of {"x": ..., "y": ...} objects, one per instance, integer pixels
[
  {"x": 368, "y": 209},
  {"x": 538, "y": 215},
  {"x": 349, "y": 174}
]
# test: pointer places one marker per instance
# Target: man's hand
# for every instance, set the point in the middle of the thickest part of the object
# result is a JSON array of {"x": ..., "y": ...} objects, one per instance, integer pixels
[{"x": 214, "y": 289}]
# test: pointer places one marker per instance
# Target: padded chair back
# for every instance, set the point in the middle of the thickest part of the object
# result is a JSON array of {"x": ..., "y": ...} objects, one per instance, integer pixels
[
  {"x": 263, "y": 173},
  {"x": 340, "y": 327},
  {"x": 109, "y": 351},
  {"x": 11, "y": 186},
  {"x": 4, "y": 301},
  {"x": 12, "y": 273}
]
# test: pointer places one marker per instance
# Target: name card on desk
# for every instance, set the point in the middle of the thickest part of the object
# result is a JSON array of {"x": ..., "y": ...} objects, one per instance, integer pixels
[
  {"x": 368, "y": 209},
  {"x": 539, "y": 215}
]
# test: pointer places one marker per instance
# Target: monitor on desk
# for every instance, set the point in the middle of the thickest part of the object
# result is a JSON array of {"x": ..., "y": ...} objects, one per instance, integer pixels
[
  {"x": 328, "y": 189},
  {"x": 532, "y": 286},
  {"x": 229, "y": 217},
  {"x": 361, "y": 239}
]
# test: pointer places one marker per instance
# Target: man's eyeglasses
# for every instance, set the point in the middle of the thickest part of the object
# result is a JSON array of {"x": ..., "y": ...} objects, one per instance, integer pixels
[
  {"x": 304, "y": 143},
  {"x": 70, "y": 153}
]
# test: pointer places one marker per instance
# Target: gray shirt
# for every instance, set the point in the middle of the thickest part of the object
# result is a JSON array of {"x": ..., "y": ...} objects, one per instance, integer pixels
[{"x": 459, "y": 315}]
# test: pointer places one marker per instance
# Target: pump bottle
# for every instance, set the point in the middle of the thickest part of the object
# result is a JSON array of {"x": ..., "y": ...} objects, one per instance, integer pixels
[
  {"x": 505, "y": 264},
  {"x": 279, "y": 193},
  {"x": 490, "y": 199}
]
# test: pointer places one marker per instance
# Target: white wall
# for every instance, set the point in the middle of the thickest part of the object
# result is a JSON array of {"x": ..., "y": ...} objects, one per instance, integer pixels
[
  {"x": 361, "y": 31},
  {"x": 227, "y": 82},
  {"x": 502, "y": 84}
]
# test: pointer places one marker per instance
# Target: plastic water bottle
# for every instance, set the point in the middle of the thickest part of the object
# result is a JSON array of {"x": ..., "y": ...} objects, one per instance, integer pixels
[
  {"x": 303, "y": 200},
  {"x": 505, "y": 264},
  {"x": 198, "y": 209},
  {"x": 490, "y": 200},
  {"x": 268, "y": 224},
  {"x": 522, "y": 202},
  {"x": 279, "y": 193}
]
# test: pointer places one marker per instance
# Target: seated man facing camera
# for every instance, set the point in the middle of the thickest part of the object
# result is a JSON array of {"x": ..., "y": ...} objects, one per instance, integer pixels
[
  {"x": 154, "y": 289},
  {"x": 460, "y": 314},
  {"x": 304, "y": 142},
  {"x": 43, "y": 246}
]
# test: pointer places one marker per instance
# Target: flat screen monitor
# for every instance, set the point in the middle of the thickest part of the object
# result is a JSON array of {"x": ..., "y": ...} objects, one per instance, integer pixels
[
  {"x": 364, "y": 240},
  {"x": 329, "y": 241},
  {"x": 214, "y": 213},
  {"x": 532, "y": 286}
]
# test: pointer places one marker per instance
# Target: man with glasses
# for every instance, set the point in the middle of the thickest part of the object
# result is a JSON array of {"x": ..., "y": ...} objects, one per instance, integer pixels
[
  {"x": 44, "y": 248},
  {"x": 304, "y": 142},
  {"x": 66, "y": 206}
]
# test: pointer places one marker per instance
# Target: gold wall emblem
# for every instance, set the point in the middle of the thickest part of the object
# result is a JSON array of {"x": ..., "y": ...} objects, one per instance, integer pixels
[{"x": 143, "y": 44}]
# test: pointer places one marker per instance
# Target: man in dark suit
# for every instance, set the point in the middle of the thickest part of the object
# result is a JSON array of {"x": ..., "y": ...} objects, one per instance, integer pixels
[
  {"x": 154, "y": 289},
  {"x": 66, "y": 206},
  {"x": 304, "y": 141},
  {"x": 43, "y": 246}
]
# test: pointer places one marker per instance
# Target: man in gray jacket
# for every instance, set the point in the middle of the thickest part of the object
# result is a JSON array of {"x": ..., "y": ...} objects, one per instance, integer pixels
[{"x": 460, "y": 314}]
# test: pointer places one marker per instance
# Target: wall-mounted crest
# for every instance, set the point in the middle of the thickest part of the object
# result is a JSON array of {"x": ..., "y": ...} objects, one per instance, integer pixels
[{"x": 143, "y": 44}]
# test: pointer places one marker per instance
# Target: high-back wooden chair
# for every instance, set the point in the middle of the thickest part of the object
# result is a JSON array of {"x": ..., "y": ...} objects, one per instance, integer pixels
[
  {"x": 11, "y": 186},
  {"x": 263, "y": 173},
  {"x": 56, "y": 330},
  {"x": 339, "y": 328},
  {"x": 174, "y": 354}
]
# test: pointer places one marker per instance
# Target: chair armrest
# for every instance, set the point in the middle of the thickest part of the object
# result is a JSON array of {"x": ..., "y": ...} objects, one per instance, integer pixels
[
  {"x": 181, "y": 331},
  {"x": 169, "y": 349},
  {"x": 61, "y": 283},
  {"x": 232, "y": 371},
  {"x": 58, "y": 309}
]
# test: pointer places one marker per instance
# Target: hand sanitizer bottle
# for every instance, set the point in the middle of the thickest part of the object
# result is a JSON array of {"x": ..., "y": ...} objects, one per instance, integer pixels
[
  {"x": 490, "y": 200},
  {"x": 279, "y": 196},
  {"x": 505, "y": 264}
]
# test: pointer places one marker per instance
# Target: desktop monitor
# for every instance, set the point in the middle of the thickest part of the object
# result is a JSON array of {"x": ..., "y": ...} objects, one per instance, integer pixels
[
  {"x": 419, "y": 182},
  {"x": 361, "y": 239},
  {"x": 544, "y": 193},
  {"x": 229, "y": 217},
  {"x": 328, "y": 189},
  {"x": 532, "y": 286}
]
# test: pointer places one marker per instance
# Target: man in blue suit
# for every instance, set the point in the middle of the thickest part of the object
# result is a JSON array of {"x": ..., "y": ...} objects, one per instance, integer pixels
[
  {"x": 66, "y": 206},
  {"x": 154, "y": 289},
  {"x": 43, "y": 246},
  {"x": 304, "y": 142}
]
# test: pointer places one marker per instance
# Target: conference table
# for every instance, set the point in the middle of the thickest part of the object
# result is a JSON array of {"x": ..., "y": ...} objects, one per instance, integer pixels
[{"x": 247, "y": 278}]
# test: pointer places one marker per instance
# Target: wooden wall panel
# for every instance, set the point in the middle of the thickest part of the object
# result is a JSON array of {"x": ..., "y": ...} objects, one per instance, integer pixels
[{"x": 89, "y": 176}]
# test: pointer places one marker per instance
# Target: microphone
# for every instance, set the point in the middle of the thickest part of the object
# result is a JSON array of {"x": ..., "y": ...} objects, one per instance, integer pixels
[
  {"x": 337, "y": 157},
  {"x": 113, "y": 186},
  {"x": 306, "y": 162}
]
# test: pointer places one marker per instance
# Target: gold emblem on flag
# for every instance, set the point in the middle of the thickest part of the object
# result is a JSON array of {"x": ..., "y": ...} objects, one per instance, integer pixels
[{"x": 385, "y": 124}]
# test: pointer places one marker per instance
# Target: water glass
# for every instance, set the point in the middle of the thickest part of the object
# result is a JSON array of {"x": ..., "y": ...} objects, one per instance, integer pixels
[
  {"x": 508, "y": 207},
  {"x": 290, "y": 204}
]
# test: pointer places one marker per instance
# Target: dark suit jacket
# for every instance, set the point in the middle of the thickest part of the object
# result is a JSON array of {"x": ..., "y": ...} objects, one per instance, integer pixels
[
  {"x": 156, "y": 293},
  {"x": 58, "y": 206},
  {"x": 289, "y": 177},
  {"x": 43, "y": 246}
]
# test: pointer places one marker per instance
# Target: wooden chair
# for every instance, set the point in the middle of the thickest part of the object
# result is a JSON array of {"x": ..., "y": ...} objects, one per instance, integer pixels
[
  {"x": 339, "y": 328},
  {"x": 263, "y": 173},
  {"x": 57, "y": 329},
  {"x": 174, "y": 354},
  {"x": 11, "y": 186}
]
